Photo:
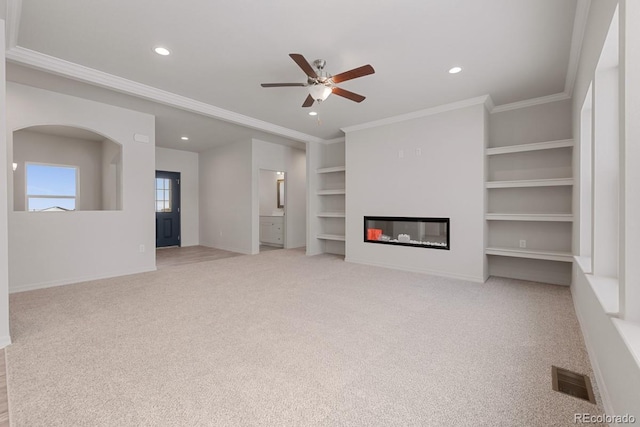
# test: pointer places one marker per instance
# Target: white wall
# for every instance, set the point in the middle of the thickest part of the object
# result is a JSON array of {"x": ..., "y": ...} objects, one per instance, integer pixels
[
  {"x": 187, "y": 163},
  {"x": 446, "y": 180},
  {"x": 37, "y": 147},
  {"x": 292, "y": 162},
  {"x": 616, "y": 368},
  {"x": 65, "y": 247},
  {"x": 225, "y": 197},
  {"x": 5, "y": 339}
]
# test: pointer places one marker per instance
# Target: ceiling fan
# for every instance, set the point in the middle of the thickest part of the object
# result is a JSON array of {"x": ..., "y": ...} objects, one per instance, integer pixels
[{"x": 322, "y": 84}]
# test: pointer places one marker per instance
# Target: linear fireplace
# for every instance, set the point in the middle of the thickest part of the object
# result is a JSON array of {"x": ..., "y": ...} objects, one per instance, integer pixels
[{"x": 417, "y": 232}]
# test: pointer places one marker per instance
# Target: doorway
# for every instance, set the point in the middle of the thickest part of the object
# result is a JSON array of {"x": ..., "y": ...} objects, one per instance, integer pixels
[
  {"x": 272, "y": 209},
  {"x": 167, "y": 209}
]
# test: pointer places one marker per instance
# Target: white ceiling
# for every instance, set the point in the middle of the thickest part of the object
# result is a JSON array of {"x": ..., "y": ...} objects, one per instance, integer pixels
[{"x": 512, "y": 50}]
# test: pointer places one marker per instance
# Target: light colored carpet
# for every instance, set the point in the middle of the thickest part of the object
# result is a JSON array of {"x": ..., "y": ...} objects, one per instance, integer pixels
[{"x": 284, "y": 339}]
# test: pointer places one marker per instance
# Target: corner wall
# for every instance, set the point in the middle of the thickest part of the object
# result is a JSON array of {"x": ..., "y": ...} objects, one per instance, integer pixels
[
  {"x": 186, "y": 163},
  {"x": 431, "y": 166},
  {"x": 56, "y": 248}
]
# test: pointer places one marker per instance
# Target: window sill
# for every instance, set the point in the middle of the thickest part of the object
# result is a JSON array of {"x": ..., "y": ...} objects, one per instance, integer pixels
[
  {"x": 630, "y": 332},
  {"x": 584, "y": 262},
  {"x": 607, "y": 291}
]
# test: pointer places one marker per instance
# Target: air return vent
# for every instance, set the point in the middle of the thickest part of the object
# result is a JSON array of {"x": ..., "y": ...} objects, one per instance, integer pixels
[{"x": 572, "y": 383}]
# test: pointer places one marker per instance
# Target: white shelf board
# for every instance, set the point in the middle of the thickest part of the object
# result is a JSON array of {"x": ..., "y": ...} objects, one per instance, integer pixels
[
  {"x": 531, "y": 254},
  {"x": 331, "y": 192},
  {"x": 555, "y": 182},
  {"x": 337, "y": 237},
  {"x": 529, "y": 217},
  {"x": 331, "y": 169},
  {"x": 331, "y": 214},
  {"x": 548, "y": 145}
]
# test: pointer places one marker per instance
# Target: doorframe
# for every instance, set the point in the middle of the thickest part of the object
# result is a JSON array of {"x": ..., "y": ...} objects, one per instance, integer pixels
[
  {"x": 179, "y": 201},
  {"x": 256, "y": 208}
]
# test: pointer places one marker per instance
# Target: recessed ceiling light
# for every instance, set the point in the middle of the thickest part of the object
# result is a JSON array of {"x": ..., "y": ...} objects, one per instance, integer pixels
[
  {"x": 313, "y": 113},
  {"x": 162, "y": 51},
  {"x": 455, "y": 70},
  {"x": 184, "y": 138}
]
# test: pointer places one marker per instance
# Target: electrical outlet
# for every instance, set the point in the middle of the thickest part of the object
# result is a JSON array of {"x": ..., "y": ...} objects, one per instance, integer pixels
[
  {"x": 220, "y": 233},
  {"x": 141, "y": 248},
  {"x": 400, "y": 154},
  {"x": 523, "y": 243},
  {"x": 418, "y": 152}
]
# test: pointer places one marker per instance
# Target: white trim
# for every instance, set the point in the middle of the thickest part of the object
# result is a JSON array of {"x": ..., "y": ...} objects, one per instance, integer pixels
[
  {"x": 64, "y": 68},
  {"x": 478, "y": 279},
  {"x": 485, "y": 99},
  {"x": 577, "y": 37},
  {"x": 71, "y": 281},
  {"x": 597, "y": 373},
  {"x": 14, "y": 10},
  {"x": 5, "y": 341},
  {"x": 531, "y": 102}
]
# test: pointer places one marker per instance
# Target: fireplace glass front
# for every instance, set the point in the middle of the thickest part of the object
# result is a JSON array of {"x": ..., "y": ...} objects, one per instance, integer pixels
[{"x": 418, "y": 232}]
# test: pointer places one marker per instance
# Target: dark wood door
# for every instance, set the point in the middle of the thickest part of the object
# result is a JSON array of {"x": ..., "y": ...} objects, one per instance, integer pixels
[{"x": 167, "y": 209}]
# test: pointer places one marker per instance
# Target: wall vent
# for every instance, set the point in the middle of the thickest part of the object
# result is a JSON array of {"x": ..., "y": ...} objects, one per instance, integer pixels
[{"x": 572, "y": 383}]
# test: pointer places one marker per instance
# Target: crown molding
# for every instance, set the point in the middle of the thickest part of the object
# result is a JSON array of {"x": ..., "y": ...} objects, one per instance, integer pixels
[
  {"x": 577, "y": 37},
  {"x": 14, "y": 9},
  {"x": 334, "y": 140},
  {"x": 531, "y": 102},
  {"x": 485, "y": 99},
  {"x": 68, "y": 69}
]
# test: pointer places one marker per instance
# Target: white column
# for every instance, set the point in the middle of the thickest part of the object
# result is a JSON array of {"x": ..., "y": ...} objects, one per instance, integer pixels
[{"x": 5, "y": 170}]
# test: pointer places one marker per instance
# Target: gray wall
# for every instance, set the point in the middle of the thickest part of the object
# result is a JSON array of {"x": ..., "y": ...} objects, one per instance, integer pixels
[
  {"x": 76, "y": 246},
  {"x": 225, "y": 197},
  {"x": 445, "y": 180}
]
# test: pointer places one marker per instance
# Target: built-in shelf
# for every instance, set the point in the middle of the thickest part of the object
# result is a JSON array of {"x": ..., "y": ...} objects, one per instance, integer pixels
[
  {"x": 331, "y": 169},
  {"x": 548, "y": 145},
  {"x": 531, "y": 254},
  {"x": 331, "y": 237},
  {"x": 331, "y": 192},
  {"x": 331, "y": 214},
  {"x": 555, "y": 182},
  {"x": 529, "y": 217}
]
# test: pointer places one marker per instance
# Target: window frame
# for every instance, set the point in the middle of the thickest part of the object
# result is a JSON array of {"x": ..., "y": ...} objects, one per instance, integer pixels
[{"x": 76, "y": 197}]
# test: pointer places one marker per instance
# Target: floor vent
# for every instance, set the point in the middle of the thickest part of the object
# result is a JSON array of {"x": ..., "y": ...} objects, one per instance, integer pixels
[{"x": 572, "y": 383}]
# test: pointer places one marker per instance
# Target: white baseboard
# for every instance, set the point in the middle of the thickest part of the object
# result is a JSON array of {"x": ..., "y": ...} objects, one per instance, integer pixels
[
  {"x": 5, "y": 341},
  {"x": 602, "y": 386},
  {"x": 478, "y": 279},
  {"x": 72, "y": 280}
]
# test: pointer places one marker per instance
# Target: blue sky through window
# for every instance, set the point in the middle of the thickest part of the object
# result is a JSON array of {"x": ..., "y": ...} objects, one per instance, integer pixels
[{"x": 54, "y": 181}]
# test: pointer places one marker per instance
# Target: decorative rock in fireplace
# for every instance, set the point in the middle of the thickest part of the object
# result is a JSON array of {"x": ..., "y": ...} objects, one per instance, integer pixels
[{"x": 417, "y": 232}]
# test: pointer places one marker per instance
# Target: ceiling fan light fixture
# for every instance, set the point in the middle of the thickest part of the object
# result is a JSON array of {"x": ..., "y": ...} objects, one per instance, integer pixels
[{"x": 319, "y": 92}]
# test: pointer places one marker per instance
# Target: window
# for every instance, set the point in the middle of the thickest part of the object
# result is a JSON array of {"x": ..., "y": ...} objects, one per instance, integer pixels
[
  {"x": 163, "y": 195},
  {"x": 51, "y": 187}
]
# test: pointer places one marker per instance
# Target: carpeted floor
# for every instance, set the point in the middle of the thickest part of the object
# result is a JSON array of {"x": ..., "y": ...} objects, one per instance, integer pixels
[{"x": 284, "y": 339}]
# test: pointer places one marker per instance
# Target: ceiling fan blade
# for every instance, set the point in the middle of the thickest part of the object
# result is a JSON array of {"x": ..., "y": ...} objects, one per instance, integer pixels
[
  {"x": 304, "y": 64},
  {"x": 282, "y": 84},
  {"x": 308, "y": 102},
  {"x": 347, "y": 94},
  {"x": 365, "y": 70}
]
